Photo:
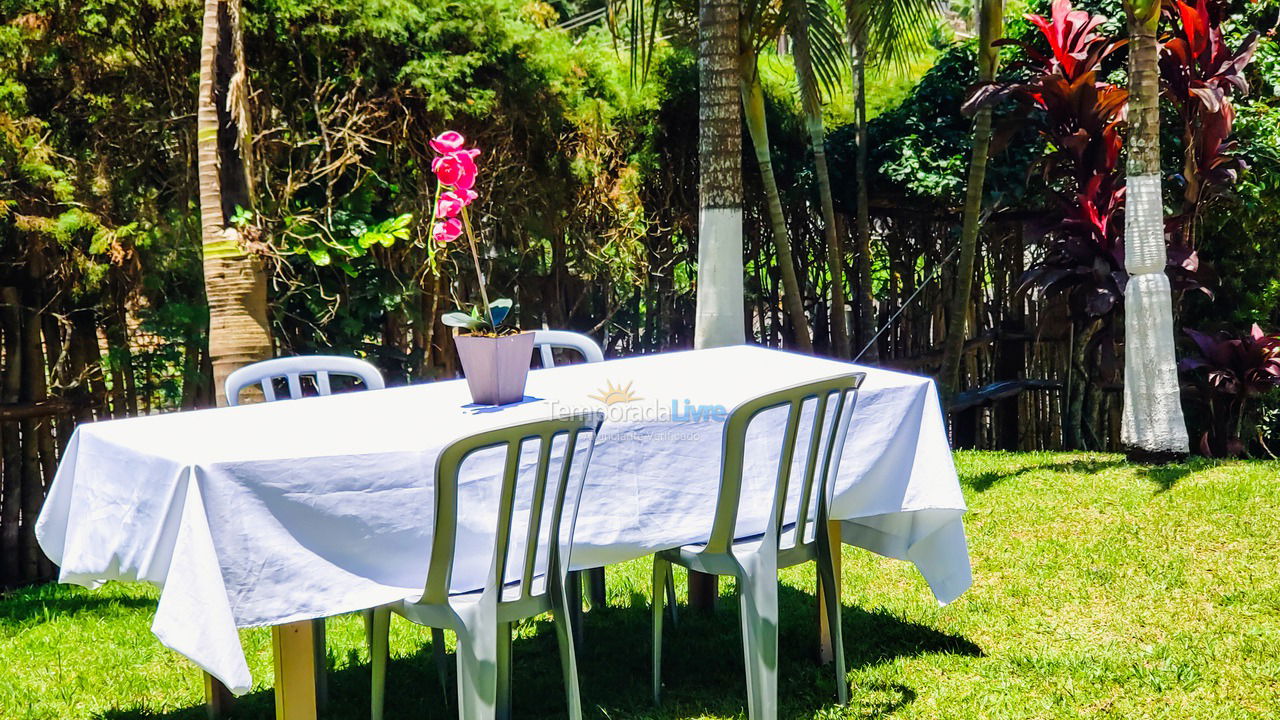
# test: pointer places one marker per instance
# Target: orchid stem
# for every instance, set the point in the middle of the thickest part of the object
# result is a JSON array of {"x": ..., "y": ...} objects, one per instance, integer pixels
[{"x": 475, "y": 257}]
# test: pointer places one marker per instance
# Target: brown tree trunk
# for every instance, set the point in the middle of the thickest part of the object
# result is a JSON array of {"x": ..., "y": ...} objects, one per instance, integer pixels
[
  {"x": 33, "y": 430},
  {"x": 86, "y": 333},
  {"x": 1143, "y": 144},
  {"x": 235, "y": 283},
  {"x": 720, "y": 307}
]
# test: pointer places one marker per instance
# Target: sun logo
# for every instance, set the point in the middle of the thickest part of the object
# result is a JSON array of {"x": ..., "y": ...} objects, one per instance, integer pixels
[{"x": 612, "y": 394}]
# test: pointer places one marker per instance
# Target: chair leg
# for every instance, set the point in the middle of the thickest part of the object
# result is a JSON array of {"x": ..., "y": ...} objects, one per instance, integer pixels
[
  {"x": 478, "y": 653},
  {"x": 503, "y": 705},
  {"x": 831, "y": 599},
  {"x": 379, "y": 627},
  {"x": 563, "y": 614},
  {"x": 671, "y": 595},
  {"x": 442, "y": 661},
  {"x": 759, "y": 618},
  {"x": 661, "y": 577}
]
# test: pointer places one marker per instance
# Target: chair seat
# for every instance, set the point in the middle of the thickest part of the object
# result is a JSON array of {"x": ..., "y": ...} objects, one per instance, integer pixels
[
  {"x": 694, "y": 557},
  {"x": 443, "y": 616}
]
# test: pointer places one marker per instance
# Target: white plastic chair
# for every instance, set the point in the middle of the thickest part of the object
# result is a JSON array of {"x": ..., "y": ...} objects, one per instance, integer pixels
[
  {"x": 293, "y": 368},
  {"x": 533, "y": 522},
  {"x": 793, "y": 535},
  {"x": 545, "y": 341}
]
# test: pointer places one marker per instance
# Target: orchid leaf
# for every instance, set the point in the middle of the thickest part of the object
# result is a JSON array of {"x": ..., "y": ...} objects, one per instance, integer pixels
[
  {"x": 499, "y": 309},
  {"x": 460, "y": 320}
]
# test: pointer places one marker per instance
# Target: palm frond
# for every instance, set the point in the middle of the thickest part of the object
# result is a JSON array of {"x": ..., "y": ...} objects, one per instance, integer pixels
[
  {"x": 890, "y": 32},
  {"x": 820, "y": 57},
  {"x": 827, "y": 44}
]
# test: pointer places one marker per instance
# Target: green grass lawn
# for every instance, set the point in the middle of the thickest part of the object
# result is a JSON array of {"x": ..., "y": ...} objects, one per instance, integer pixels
[{"x": 1101, "y": 590}]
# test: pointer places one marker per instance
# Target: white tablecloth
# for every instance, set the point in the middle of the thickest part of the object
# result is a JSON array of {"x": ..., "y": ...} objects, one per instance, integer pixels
[{"x": 273, "y": 513}]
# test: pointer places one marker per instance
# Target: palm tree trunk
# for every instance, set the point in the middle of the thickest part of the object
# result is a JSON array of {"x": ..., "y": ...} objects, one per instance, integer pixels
[
  {"x": 811, "y": 103},
  {"x": 753, "y": 101},
  {"x": 720, "y": 316},
  {"x": 235, "y": 283},
  {"x": 990, "y": 17},
  {"x": 1153, "y": 427},
  {"x": 866, "y": 297}
]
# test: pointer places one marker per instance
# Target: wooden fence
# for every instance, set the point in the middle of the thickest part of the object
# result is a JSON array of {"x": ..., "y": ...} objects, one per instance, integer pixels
[{"x": 62, "y": 363}]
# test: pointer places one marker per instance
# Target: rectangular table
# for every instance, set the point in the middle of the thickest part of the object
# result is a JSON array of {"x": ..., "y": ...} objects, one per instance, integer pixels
[{"x": 271, "y": 514}]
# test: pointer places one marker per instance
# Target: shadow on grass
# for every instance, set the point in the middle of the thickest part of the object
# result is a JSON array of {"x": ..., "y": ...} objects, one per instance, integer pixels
[
  {"x": 46, "y": 602},
  {"x": 702, "y": 668},
  {"x": 984, "y": 481},
  {"x": 1166, "y": 476}
]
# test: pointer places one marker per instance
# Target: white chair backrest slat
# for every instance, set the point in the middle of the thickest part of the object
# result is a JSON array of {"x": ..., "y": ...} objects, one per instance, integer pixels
[
  {"x": 293, "y": 368},
  {"x": 546, "y": 341}
]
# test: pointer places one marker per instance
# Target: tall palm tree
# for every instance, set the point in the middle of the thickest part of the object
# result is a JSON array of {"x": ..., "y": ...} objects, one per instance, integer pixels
[
  {"x": 1153, "y": 427},
  {"x": 720, "y": 318},
  {"x": 884, "y": 33},
  {"x": 817, "y": 67},
  {"x": 235, "y": 284},
  {"x": 719, "y": 315},
  {"x": 753, "y": 23},
  {"x": 759, "y": 27},
  {"x": 990, "y": 16}
]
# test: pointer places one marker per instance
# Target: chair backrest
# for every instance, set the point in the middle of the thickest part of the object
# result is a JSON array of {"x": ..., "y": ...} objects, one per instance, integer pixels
[
  {"x": 545, "y": 341},
  {"x": 550, "y": 504},
  {"x": 826, "y": 433},
  {"x": 293, "y": 368}
]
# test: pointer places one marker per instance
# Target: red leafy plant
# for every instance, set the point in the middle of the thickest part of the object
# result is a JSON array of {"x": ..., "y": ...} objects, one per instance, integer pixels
[
  {"x": 1199, "y": 74},
  {"x": 1083, "y": 123},
  {"x": 1229, "y": 372}
]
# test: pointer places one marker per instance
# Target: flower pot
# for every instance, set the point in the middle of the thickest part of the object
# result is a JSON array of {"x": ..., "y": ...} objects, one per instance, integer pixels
[{"x": 495, "y": 367}]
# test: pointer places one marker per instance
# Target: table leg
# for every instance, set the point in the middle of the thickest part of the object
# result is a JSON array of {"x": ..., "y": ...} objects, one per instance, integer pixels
[
  {"x": 322, "y": 664},
  {"x": 596, "y": 591},
  {"x": 825, "y": 653},
  {"x": 703, "y": 589},
  {"x": 218, "y": 700},
  {"x": 573, "y": 597},
  {"x": 295, "y": 662}
]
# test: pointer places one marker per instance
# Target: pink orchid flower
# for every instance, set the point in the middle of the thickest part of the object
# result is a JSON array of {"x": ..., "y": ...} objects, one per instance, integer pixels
[
  {"x": 451, "y": 203},
  {"x": 458, "y": 168},
  {"x": 447, "y": 230},
  {"x": 447, "y": 142}
]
